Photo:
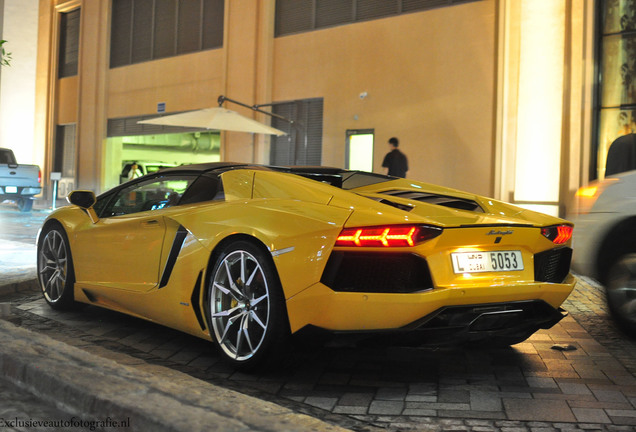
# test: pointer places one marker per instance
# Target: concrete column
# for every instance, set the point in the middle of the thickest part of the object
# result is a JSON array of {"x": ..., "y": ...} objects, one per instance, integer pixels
[
  {"x": 544, "y": 103},
  {"x": 17, "y": 87},
  {"x": 248, "y": 47},
  {"x": 540, "y": 115},
  {"x": 92, "y": 95}
]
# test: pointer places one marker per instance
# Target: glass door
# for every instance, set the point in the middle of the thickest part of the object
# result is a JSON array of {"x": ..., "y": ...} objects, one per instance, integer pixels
[{"x": 359, "y": 150}]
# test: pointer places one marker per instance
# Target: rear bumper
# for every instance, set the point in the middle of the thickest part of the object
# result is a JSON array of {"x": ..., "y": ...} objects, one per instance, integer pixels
[
  {"x": 516, "y": 320},
  {"x": 474, "y": 309},
  {"x": 22, "y": 192},
  {"x": 510, "y": 322}
]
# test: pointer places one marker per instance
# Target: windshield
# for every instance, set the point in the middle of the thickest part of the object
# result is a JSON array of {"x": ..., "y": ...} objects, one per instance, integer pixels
[{"x": 6, "y": 157}]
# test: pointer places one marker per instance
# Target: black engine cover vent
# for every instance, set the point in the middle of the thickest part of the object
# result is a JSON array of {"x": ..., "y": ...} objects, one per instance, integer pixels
[{"x": 442, "y": 200}]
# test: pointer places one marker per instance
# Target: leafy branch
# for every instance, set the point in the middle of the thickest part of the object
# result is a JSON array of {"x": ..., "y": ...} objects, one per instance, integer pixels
[{"x": 5, "y": 57}]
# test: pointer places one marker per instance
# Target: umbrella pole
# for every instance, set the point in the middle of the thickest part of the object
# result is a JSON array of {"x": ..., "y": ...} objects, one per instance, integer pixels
[
  {"x": 223, "y": 99},
  {"x": 253, "y": 148}
]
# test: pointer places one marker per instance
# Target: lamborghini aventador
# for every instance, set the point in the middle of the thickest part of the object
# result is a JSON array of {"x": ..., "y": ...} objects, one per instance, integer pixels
[{"x": 247, "y": 255}]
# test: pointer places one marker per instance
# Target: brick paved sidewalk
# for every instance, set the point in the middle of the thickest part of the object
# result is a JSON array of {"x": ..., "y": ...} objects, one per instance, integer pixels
[
  {"x": 135, "y": 397},
  {"x": 530, "y": 388}
]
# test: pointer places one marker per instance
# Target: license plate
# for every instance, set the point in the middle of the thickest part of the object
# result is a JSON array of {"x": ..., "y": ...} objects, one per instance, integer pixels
[
  {"x": 11, "y": 189},
  {"x": 493, "y": 261}
]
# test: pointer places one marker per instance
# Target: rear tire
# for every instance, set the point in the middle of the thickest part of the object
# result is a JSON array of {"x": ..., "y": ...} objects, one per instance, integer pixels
[
  {"x": 620, "y": 288},
  {"x": 55, "y": 268},
  {"x": 25, "y": 204},
  {"x": 245, "y": 307}
]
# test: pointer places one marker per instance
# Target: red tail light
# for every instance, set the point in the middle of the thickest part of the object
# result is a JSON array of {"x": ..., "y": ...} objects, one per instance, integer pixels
[
  {"x": 387, "y": 236},
  {"x": 559, "y": 234},
  {"x": 40, "y": 176}
]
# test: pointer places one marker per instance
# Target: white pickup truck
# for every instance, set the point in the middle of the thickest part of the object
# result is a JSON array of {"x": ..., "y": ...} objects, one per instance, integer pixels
[{"x": 18, "y": 183}]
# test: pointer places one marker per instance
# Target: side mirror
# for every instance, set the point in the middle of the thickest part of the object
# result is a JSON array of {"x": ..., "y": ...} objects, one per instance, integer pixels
[{"x": 82, "y": 198}]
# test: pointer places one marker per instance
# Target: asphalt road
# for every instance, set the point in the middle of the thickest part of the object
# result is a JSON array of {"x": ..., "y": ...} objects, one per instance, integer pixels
[
  {"x": 18, "y": 232},
  {"x": 20, "y": 227}
]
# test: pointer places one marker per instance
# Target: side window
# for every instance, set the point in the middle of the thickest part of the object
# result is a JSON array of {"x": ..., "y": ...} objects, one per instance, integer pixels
[
  {"x": 152, "y": 194},
  {"x": 102, "y": 202},
  {"x": 208, "y": 187},
  {"x": 6, "y": 157}
]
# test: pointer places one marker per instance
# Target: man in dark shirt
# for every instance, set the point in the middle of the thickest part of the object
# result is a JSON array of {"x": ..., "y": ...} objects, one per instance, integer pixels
[{"x": 395, "y": 161}]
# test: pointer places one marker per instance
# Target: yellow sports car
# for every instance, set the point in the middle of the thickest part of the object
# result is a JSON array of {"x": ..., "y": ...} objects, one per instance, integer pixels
[{"x": 247, "y": 255}]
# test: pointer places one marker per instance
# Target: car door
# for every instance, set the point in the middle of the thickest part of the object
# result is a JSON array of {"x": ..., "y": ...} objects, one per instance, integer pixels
[{"x": 123, "y": 249}]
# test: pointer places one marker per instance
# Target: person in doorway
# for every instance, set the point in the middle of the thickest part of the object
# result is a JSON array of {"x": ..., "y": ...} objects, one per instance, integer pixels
[{"x": 395, "y": 161}]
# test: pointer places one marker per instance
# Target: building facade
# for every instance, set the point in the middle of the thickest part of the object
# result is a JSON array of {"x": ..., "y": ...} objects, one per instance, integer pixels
[
  {"x": 496, "y": 97},
  {"x": 19, "y": 26}
]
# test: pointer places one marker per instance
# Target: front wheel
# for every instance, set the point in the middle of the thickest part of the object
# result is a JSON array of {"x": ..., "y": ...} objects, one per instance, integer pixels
[
  {"x": 55, "y": 267},
  {"x": 620, "y": 288},
  {"x": 245, "y": 307}
]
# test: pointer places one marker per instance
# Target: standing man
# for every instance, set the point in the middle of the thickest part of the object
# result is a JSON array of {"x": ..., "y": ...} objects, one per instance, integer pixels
[{"x": 395, "y": 161}]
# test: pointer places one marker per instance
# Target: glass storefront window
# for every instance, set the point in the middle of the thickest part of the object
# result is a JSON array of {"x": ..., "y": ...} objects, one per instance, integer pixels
[
  {"x": 619, "y": 15},
  {"x": 614, "y": 123},
  {"x": 618, "y": 70},
  {"x": 617, "y": 77}
]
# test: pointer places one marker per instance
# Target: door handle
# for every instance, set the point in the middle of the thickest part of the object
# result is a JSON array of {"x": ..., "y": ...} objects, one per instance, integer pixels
[{"x": 150, "y": 223}]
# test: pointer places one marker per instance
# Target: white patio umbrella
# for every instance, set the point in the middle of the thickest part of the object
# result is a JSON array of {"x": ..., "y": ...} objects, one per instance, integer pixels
[{"x": 217, "y": 118}]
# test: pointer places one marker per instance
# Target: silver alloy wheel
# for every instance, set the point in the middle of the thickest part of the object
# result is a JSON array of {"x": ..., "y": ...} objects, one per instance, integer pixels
[
  {"x": 53, "y": 266},
  {"x": 621, "y": 290},
  {"x": 240, "y": 305}
]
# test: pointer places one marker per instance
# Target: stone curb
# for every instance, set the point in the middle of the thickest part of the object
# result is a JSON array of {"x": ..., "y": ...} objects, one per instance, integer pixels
[
  {"x": 152, "y": 397},
  {"x": 14, "y": 286}
]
